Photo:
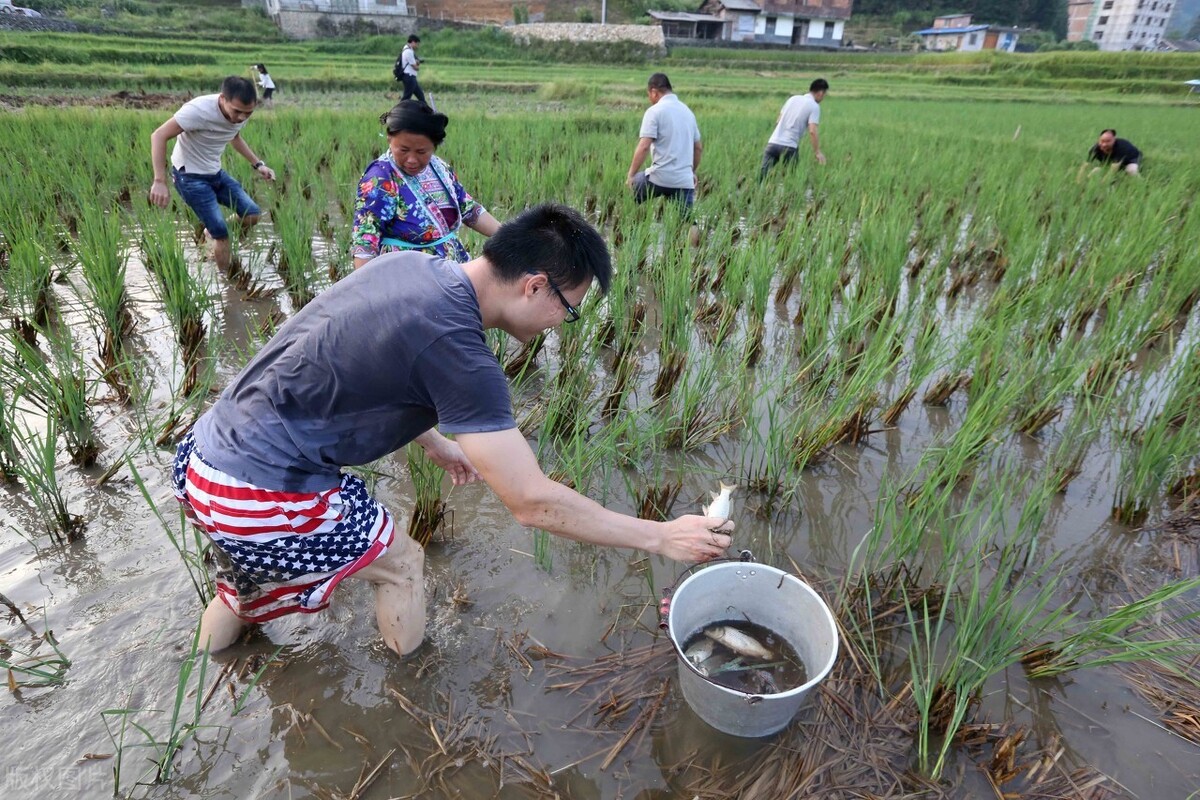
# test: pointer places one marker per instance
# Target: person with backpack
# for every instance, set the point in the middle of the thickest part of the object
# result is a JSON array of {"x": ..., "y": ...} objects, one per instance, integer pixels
[{"x": 406, "y": 68}]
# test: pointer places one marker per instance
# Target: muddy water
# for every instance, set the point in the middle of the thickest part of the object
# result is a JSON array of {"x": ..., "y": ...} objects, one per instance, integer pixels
[{"x": 121, "y": 606}]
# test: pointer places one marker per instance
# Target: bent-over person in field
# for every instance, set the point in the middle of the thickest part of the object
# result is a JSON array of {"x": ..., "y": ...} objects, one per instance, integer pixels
[
  {"x": 371, "y": 364},
  {"x": 202, "y": 128},
  {"x": 800, "y": 114},
  {"x": 1111, "y": 151}
]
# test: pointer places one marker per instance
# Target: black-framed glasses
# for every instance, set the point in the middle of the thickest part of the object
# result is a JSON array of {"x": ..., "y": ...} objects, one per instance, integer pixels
[{"x": 572, "y": 311}]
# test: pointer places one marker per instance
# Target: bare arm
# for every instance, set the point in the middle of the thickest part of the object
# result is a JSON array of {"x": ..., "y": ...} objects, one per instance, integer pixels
[
  {"x": 243, "y": 149},
  {"x": 816, "y": 143},
  {"x": 639, "y": 157},
  {"x": 697, "y": 151},
  {"x": 446, "y": 454},
  {"x": 485, "y": 223},
  {"x": 159, "y": 194},
  {"x": 509, "y": 467}
]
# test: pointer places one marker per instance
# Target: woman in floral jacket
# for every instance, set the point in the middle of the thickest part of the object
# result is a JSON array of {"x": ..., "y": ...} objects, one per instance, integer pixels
[{"x": 409, "y": 199}]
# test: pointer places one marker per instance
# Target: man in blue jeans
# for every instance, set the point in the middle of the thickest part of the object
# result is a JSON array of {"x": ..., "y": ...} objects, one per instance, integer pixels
[{"x": 203, "y": 127}]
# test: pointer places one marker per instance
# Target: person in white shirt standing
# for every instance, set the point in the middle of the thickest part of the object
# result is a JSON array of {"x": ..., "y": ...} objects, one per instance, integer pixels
[
  {"x": 265, "y": 82},
  {"x": 799, "y": 113},
  {"x": 410, "y": 65},
  {"x": 670, "y": 136},
  {"x": 203, "y": 127}
]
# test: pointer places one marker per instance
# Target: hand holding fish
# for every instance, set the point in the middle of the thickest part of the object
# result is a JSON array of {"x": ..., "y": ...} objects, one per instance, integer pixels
[{"x": 693, "y": 538}]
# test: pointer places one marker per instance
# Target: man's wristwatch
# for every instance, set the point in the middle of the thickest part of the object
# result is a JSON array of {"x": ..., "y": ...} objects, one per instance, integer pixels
[{"x": 259, "y": 163}]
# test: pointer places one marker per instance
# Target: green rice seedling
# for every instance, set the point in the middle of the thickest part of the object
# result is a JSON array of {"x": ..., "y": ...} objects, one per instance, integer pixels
[
  {"x": 194, "y": 553},
  {"x": 60, "y": 388},
  {"x": 255, "y": 679},
  {"x": 183, "y": 724},
  {"x": 704, "y": 403},
  {"x": 429, "y": 509},
  {"x": 9, "y": 450},
  {"x": 37, "y": 467},
  {"x": 31, "y": 668},
  {"x": 27, "y": 284},
  {"x": 100, "y": 251},
  {"x": 1160, "y": 455},
  {"x": 295, "y": 220},
  {"x": 66, "y": 391},
  {"x": 769, "y": 464},
  {"x": 185, "y": 297},
  {"x": 1126, "y": 634},
  {"x": 675, "y": 301}
]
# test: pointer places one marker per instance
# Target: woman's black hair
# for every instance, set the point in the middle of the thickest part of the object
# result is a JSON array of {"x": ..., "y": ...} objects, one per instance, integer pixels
[
  {"x": 261, "y": 68},
  {"x": 413, "y": 116}
]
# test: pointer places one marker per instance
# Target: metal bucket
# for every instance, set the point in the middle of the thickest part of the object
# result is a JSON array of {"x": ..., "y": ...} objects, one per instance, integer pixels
[{"x": 765, "y": 596}]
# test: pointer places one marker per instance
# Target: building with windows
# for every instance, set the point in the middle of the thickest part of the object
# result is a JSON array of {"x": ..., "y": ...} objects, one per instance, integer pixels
[
  {"x": 955, "y": 32},
  {"x": 1120, "y": 24},
  {"x": 793, "y": 23}
]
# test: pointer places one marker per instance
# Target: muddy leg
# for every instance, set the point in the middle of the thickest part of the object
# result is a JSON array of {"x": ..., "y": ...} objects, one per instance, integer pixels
[
  {"x": 221, "y": 253},
  {"x": 399, "y": 580},
  {"x": 219, "y": 627}
]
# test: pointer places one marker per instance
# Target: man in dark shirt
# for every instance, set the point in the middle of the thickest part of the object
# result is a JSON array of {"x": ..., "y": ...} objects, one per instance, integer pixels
[
  {"x": 1111, "y": 150},
  {"x": 373, "y": 363}
]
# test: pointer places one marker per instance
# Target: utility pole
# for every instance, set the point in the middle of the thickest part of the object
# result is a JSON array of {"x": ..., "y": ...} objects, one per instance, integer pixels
[{"x": 603, "y": 12}]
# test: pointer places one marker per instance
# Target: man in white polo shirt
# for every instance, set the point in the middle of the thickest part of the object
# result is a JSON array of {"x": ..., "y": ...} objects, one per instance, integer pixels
[
  {"x": 671, "y": 137},
  {"x": 203, "y": 127},
  {"x": 799, "y": 113}
]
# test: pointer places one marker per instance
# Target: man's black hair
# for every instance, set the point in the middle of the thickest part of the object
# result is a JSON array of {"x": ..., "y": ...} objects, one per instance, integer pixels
[
  {"x": 554, "y": 239},
  {"x": 413, "y": 116},
  {"x": 241, "y": 89},
  {"x": 1113, "y": 131},
  {"x": 412, "y": 37},
  {"x": 659, "y": 81},
  {"x": 819, "y": 85}
]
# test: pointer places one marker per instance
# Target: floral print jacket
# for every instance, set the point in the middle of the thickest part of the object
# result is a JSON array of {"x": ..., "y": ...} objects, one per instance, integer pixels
[{"x": 423, "y": 211}]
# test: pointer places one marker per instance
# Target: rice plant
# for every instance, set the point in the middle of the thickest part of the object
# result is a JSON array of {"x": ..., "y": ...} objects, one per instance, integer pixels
[
  {"x": 37, "y": 467},
  {"x": 35, "y": 666},
  {"x": 27, "y": 284},
  {"x": 100, "y": 251},
  {"x": 185, "y": 298},
  {"x": 189, "y": 541},
  {"x": 429, "y": 509},
  {"x": 182, "y": 724}
]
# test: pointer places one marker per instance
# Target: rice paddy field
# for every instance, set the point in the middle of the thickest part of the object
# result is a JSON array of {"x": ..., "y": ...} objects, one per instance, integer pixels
[{"x": 954, "y": 374}]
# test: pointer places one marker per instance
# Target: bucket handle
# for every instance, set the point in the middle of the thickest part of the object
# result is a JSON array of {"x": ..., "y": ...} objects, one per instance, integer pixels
[{"x": 664, "y": 605}]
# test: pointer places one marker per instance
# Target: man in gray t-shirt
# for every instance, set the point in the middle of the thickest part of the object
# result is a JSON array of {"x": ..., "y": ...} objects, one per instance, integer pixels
[
  {"x": 799, "y": 114},
  {"x": 375, "y": 362},
  {"x": 670, "y": 136},
  {"x": 201, "y": 129}
]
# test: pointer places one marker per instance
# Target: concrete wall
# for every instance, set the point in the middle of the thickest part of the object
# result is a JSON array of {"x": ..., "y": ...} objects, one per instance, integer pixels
[
  {"x": 304, "y": 24},
  {"x": 651, "y": 35}
]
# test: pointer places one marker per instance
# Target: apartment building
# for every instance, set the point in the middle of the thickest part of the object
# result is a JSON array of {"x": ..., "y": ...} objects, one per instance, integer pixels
[{"x": 1120, "y": 24}]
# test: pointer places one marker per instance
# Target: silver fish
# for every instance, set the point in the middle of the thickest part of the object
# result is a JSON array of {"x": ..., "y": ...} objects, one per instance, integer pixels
[
  {"x": 740, "y": 643},
  {"x": 700, "y": 651},
  {"x": 719, "y": 507},
  {"x": 759, "y": 681}
]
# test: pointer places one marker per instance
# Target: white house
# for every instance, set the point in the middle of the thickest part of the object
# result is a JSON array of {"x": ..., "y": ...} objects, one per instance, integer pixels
[
  {"x": 955, "y": 32},
  {"x": 818, "y": 23}
]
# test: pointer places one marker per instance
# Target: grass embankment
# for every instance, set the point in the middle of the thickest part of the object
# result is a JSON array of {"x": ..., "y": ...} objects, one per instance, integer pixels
[{"x": 488, "y": 61}]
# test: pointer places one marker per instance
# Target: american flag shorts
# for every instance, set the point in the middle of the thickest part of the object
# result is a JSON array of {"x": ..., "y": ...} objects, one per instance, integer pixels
[{"x": 277, "y": 552}]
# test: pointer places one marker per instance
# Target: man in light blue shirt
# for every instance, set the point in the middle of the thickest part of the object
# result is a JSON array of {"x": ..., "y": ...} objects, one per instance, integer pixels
[
  {"x": 670, "y": 136},
  {"x": 799, "y": 114}
]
